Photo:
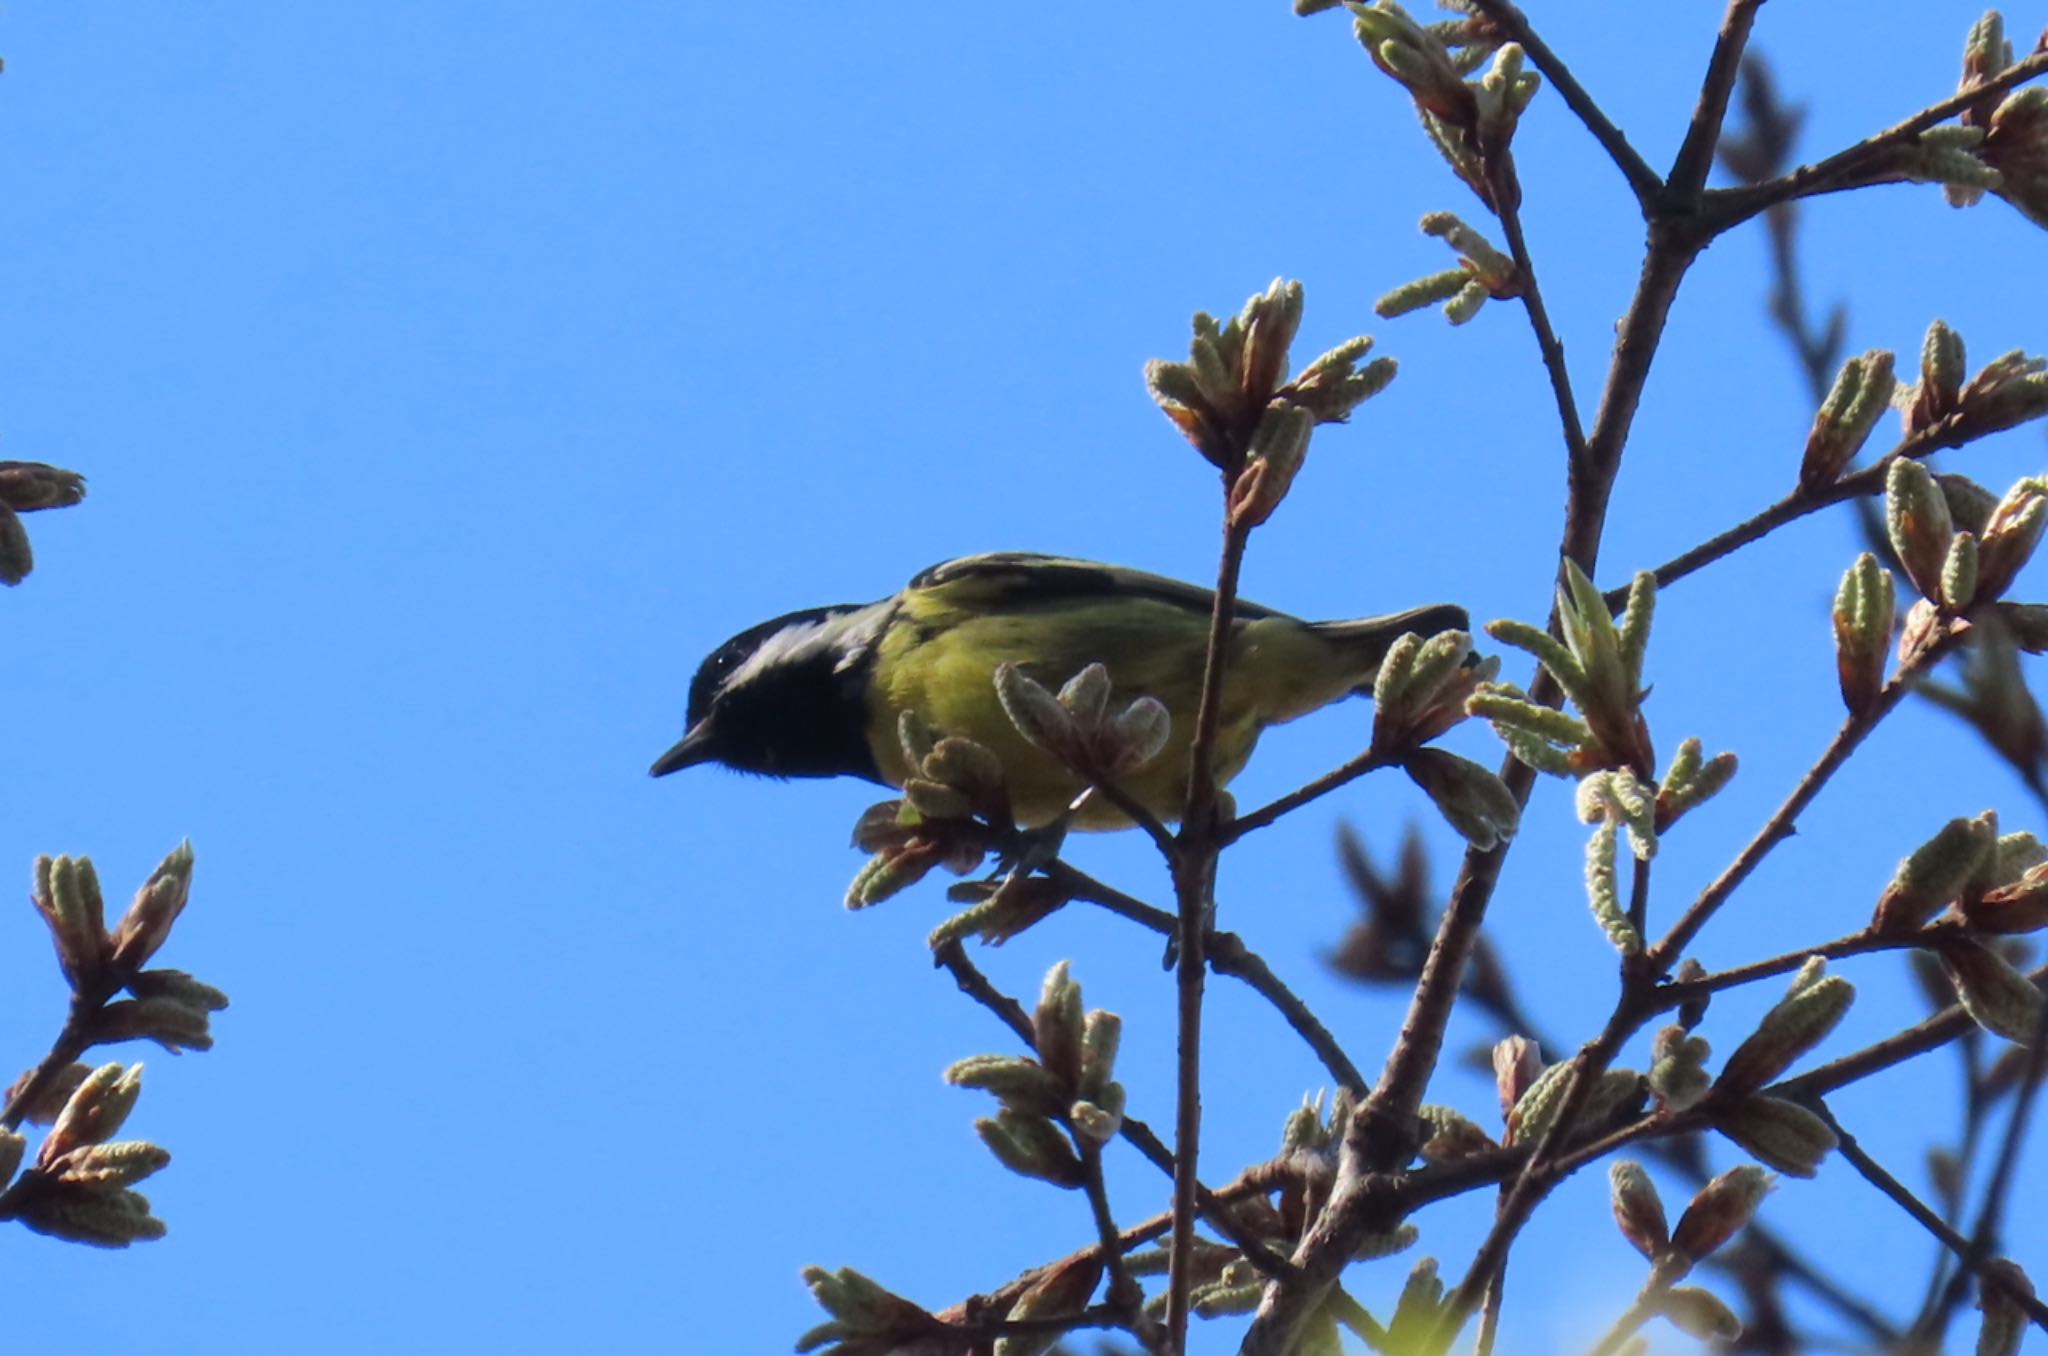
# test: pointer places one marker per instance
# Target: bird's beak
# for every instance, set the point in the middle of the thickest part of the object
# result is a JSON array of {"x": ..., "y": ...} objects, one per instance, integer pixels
[{"x": 692, "y": 749}]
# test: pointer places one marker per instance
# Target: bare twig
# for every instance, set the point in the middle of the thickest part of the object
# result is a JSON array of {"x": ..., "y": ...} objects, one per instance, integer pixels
[
  {"x": 1874, "y": 1173},
  {"x": 1722, "y": 209},
  {"x": 1642, "y": 180}
]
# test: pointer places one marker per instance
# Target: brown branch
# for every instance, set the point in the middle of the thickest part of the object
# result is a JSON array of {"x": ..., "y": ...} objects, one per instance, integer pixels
[
  {"x": 1696, "y": 153},
  {"x": 1951, "y": 432},
  {"x": 1194, "y": 879},
  {"x": 1722, "y": 209},
  {"x": 1369, "y": 761},
  {"x": 1642, "y": 180},
  {"x": 1672, "y": 995},
  {"x": 1966, "y": 1253},
  {"x": 1984, "y": 1236},
  {"x": 1781, "y": 824},
  {"x": 1126, "y": 1296},
  {"x": 1227, "y": 954},
  {"x": 1382, "y": 1130},
  {"x": 952, "y": 957}
]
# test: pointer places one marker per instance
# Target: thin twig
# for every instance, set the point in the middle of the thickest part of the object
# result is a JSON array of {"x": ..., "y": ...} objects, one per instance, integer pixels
[
  {"x": 1951, "y": 432},
  {"x": 1781, "y": 825},
  {"x": 1227, "y": 954},
  {"x": 1194, "y": 877},
  {"x": 1874, "y": 1173},
  {"x": 1728, "y": 207},
  {"x": 1998, "y": 1188},
  {"x": 1642, "y": 180},
  {"x": 1125, "y": 1295},
  {"x": 1696, "y": 153},
  {"x": 1370, "y": 761}
]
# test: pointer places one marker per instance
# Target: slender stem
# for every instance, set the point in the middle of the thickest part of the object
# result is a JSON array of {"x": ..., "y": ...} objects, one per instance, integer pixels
[
  {"x": 1369, "y": 761},
  {"x": 1125, "y": 1295},
  {"x": 1949, "y": 433},
  {"x": 1507, "y": 190},
  {"x": 72, "y": 1041},
  {"x": 1642, "y": 180},
  {"x": 1931, "y": 1034},
  {"x": 1194, "y": 872},
  {"x": 1227, "y": 954},
  {"x": 1780, "y": 825},
  {"x": 1855, "y": 944},
  {"x": 1874, "y": 1173},
  {"x": 1696, "y": 153},
  {"x": 1136, "y": 812},
  {"x": 1632, "y": 1319},
  {"x": 1725, "y": 208},
  {"x": 952, "y": 957},
  {"x": 1997, "y": 1189}
]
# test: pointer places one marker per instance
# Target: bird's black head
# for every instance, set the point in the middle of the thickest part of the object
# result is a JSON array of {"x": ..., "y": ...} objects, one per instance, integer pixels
[{"x": 786, "y": 698}]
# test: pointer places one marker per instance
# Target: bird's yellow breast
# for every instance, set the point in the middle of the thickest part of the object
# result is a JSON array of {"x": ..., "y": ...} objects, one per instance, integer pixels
[{"x": 938, "y": 659}]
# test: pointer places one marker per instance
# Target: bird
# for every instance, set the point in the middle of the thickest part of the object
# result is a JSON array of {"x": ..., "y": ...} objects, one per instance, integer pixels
[{"x": 821, "y": 692}]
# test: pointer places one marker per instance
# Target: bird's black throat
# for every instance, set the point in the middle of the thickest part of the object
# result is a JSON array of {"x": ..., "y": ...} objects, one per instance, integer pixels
[{"x": 803, "y": 714}]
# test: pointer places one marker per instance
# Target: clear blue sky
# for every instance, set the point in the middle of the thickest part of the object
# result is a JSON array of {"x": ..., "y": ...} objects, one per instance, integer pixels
[{"x": 452, "y": 376}]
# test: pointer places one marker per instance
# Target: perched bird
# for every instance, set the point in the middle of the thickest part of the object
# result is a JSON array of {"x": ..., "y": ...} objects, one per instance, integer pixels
[{"x": 819, "y": 693}]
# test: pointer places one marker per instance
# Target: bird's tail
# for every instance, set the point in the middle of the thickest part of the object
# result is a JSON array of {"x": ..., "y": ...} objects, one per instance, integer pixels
[{"x": 1368, "y": 638}]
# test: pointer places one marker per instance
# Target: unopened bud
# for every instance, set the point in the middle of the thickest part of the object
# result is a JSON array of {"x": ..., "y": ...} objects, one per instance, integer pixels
[
  {"x": 1932, "y": 875},
  {"x": 1862, "y": 391},
  {"x": 1638, "y": 1210},
  {"x": 1037, "y": 714},
  {"x": 1799, "y": 1021},
  {"x": 1959, "y": 574},
  {"x": 1021, "y": 1084},
  {"x": 1782, "y": 1134},
  {"x": 1916, "y": 516},
  {"x": 1032, "y": 1146},
  {"x": 95, "y": 1112},
  {"x": 1863, "y": 613},
  {"x": 2018, "y": 907},
  {"x": 147, "y": 924},
  {"x": 1699, "y": 1313},
  {"x": 1473, "y": 800},
  {"x": 1720, "y": 1210},
  {"x": 1517, "y": 1063},
  {"x": 1101, "y": 1034},
  {"x": 1995, "y": 995},
  {"x": 2011, "y": 534},
  {"x": 1057, "y": 1025}
]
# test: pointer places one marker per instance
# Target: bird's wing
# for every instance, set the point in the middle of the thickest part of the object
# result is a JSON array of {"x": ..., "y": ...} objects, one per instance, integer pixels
[{"x": 1000, "y": 578}]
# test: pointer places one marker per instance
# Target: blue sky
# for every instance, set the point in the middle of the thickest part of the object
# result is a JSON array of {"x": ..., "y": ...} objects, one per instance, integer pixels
[{"x": 452, "y": 376}]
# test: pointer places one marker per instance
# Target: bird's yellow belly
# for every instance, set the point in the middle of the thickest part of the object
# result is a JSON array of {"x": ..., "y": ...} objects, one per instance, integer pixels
[{"x": 949, "y": 681}]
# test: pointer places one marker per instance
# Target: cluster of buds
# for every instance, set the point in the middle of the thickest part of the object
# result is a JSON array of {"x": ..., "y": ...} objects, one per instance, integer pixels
[
  {"x": 1422, "y": 687},
  {"x": 1232, "y": 400},
  {"x": 867, "y": 1320},
  {"x": 1862, "y": 391},
  {"x": 1064, "y": 1100},
  {"x": 1618, "y": 1096},
  {"x": 26, "y": 486},
  {"x": 1468, "y": 120},
  {"x": 1678, "y": 1067},
  {"x": 2011, "y": 389},
  {"x": 1483, "y": 274},
  {"x": 2009, "y": 131},
  {"x": 1599, "y": 664},
  {"x": 1956, "y": 566},
  {"x": 954, "y": 811},
  {"x": 1078, "y": 727},
  {"x": 169, "y": 1007},
  {"x": 1718, "y": 1211},
  {"x": 80, "y": 1187},
  {"x": 1993, "y": 883}
]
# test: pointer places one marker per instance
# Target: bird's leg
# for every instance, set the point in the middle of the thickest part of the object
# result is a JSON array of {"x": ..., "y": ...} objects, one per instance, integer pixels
[{"x": 1036, "y": 847}]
